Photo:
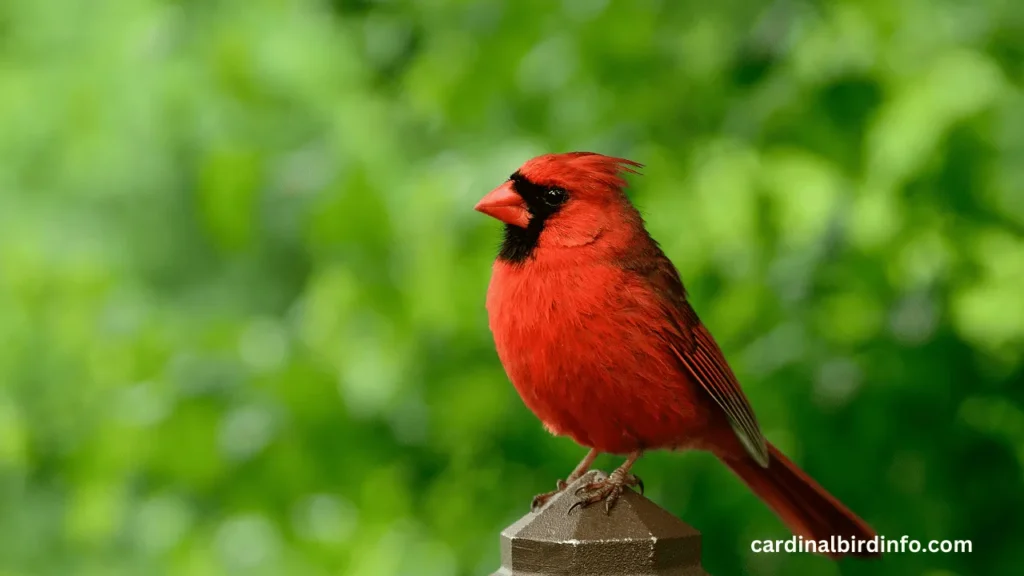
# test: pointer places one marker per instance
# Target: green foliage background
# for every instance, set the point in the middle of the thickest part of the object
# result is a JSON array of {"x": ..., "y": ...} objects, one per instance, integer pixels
[{"x": 241, "y": 281}]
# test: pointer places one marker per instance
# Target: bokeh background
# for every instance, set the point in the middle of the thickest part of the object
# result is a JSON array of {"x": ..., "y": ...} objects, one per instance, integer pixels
[{"x": 242, "y": 284}]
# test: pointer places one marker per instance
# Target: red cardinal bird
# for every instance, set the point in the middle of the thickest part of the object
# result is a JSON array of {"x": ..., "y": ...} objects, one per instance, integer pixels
[{"x": 592, "y": 325}]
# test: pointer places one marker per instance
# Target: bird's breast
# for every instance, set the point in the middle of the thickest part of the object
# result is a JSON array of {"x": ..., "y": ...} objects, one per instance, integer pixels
[
  {"x": 540, "y": 325},
  {"x": 579, "y": 344}
]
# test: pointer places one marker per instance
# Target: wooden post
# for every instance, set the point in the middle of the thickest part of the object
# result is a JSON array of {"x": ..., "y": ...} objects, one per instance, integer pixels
[{"x": 637, "y": 538}]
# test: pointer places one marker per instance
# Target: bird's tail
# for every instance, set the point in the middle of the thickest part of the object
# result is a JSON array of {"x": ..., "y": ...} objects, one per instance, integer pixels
[{"x": 801, "y": 503}]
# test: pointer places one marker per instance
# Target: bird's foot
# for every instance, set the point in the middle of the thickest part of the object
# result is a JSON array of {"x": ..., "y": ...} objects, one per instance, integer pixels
[
  {"x": 541, "y": 499},
  {"x": 607, "y": 490}
]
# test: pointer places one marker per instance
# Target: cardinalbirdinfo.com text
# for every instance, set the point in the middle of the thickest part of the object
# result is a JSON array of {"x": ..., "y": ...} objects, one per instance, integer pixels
[{"x": 845, "y": 545}]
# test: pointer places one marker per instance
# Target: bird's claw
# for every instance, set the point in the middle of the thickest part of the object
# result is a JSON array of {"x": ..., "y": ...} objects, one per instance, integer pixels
[
  {"x": 541, "y": 499},
  {"x": 579, "y": 504},
  {"x": 609, "y": 490}
]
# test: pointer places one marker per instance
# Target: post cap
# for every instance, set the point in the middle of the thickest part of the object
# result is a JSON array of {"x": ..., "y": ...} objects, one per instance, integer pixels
[{"x": 638, "y": 538}]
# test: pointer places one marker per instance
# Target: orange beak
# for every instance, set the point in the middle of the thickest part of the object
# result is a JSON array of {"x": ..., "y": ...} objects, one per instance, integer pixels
[{"x": 506, "y": 205}]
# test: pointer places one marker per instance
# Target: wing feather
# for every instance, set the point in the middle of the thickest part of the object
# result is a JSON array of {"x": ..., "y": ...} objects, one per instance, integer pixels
[
  {"x": 705, "y": 361},
  {"x": 700, "y": 355}
]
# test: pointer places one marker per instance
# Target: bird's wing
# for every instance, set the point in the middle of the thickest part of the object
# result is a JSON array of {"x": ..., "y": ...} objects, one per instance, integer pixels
[{"x": 698, "y": 352}]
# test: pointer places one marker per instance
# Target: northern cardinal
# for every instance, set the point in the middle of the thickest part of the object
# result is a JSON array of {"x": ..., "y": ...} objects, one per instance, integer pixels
[{"x": 592, "y": 325}]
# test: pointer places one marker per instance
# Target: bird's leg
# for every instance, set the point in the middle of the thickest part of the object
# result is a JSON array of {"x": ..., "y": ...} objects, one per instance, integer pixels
[
  {"x": 541, "y": 499},
  {"x": 611, "y": 487}
]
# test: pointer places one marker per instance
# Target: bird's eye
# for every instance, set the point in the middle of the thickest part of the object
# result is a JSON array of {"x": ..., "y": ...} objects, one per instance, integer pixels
[{"x": 554, "y": 196}]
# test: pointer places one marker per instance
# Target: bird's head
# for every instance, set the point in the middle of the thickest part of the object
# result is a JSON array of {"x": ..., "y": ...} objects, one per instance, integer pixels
[{"x": 560, "y": 201}]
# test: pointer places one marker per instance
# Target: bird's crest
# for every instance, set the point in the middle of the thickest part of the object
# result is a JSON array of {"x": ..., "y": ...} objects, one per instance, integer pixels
[{"x": 579, "y": 170}]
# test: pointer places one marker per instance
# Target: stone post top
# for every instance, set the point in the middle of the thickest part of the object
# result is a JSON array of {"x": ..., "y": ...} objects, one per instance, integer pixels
[{"x": 638, "y": 538}]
